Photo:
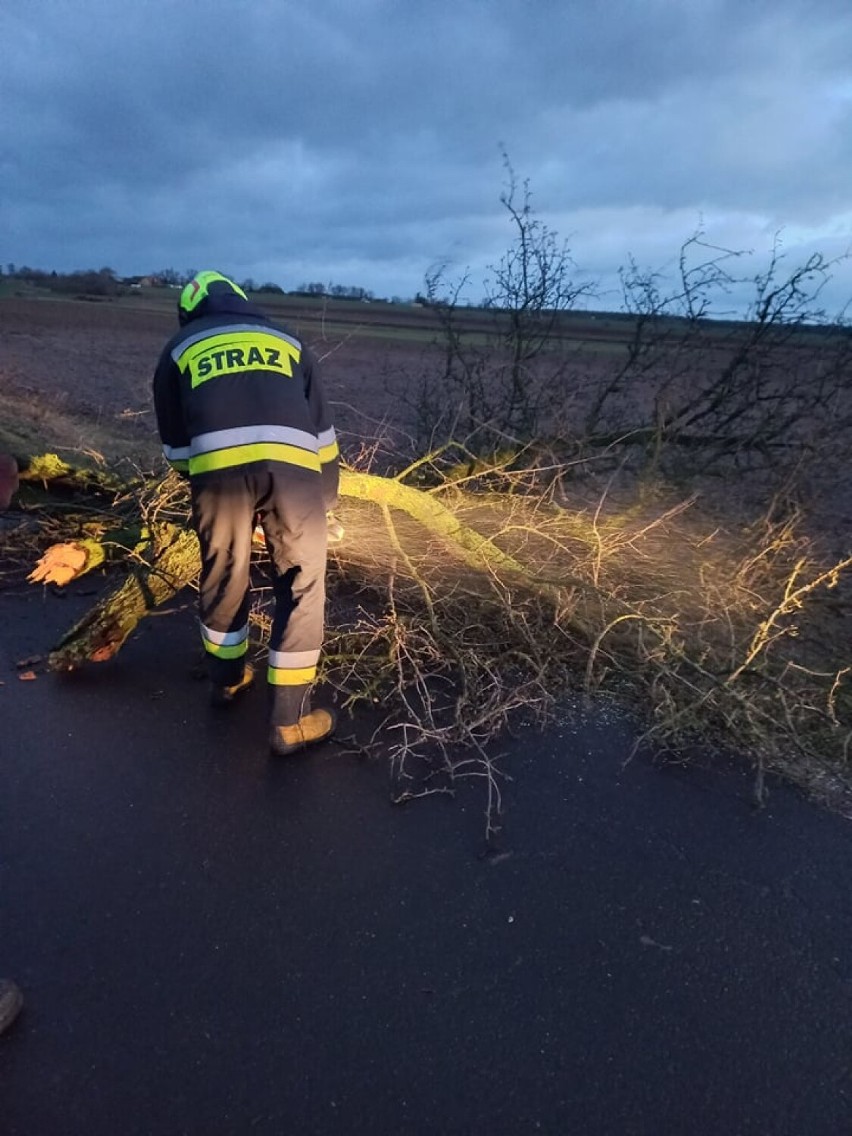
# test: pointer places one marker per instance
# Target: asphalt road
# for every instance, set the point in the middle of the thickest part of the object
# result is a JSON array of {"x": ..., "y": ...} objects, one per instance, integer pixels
[{"x": 210, "y": 942}]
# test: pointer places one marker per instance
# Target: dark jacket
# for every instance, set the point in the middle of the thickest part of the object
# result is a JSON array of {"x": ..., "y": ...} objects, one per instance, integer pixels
[{"x": 233, "y": 389}]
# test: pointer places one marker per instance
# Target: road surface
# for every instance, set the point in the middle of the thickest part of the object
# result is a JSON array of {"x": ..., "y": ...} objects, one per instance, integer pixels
[{"x": 212, "y": 942}]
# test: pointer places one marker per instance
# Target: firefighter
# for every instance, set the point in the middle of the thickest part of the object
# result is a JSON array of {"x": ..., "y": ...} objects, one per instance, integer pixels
[{"x": 242, "y": 412}]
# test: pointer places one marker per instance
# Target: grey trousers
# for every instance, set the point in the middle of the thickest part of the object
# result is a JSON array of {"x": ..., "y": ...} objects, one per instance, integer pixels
[{"x": 288, "y": 502}]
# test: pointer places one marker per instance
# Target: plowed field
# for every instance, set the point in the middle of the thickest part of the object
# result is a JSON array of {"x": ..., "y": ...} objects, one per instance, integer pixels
[{"x": 94, "y": 361}]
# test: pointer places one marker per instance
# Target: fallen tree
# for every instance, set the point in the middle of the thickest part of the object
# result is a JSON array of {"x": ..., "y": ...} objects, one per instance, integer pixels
[
  {"x": 167, "y": 557},
  {"x": 463, "y": 605}
]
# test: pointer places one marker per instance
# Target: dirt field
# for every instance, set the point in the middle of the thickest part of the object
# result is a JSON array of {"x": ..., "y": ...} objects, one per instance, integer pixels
[
  {"x": 94, "y": 361},
  {"x": 78, "y": 374}
]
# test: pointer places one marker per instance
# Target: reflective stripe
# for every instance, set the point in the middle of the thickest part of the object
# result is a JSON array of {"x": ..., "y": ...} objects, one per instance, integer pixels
[
  {"x": 175, "y": 453},
  {"x": 292, "y": 668},
  {"x": 226, "y": 652},
  {"x": 284, "y": 659},
  {"x": 294, "y": 676},
  {"x": 242, "y": 455},
  {"x": 199, "y": 336},
  {"x": 224, "y": 638},
  {"x": 221, "y": 449},
  {"x": 182, "y": 465},
  {"x": 248, "y": 435},
  {"x": 225, "y": 644},
  {"x": 328, "y": 453},
  {"x": 328, "y": 448}
]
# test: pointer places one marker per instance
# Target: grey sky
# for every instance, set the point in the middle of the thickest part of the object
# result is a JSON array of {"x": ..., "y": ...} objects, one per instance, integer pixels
[{"x": 359, "y": 141}]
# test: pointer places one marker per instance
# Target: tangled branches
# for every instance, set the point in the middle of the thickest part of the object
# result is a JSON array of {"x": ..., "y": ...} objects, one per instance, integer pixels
[
  {"x": 465, "y": 607},
  {"x": 729, "y": 638}
]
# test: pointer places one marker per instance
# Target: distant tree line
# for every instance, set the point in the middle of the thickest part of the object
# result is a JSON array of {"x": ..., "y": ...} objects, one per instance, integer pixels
[
  {"x": 101, "y": 282},
  {"x": 106, "y": 283},
  {"x": 336, "y": 291}
]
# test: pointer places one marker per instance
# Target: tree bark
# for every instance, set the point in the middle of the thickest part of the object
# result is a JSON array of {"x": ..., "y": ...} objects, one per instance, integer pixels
[{"x": 103, "y": 630}]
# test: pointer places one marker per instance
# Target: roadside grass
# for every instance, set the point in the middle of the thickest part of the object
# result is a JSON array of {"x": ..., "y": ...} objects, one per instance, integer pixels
[{"x": 30, "y": 424}]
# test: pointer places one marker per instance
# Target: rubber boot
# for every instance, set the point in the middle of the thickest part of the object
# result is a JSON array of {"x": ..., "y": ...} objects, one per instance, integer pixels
[
  {"x": 225, "y": 695},
  {"x": 310, "y": 729}
]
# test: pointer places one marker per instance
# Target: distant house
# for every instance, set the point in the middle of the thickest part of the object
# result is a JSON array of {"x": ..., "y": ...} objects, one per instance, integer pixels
[{"x": 143, "y": 282}]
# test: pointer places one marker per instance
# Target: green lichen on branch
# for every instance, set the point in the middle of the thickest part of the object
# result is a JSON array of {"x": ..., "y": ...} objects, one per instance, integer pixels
[
  {"x": 172, "y": 562},
  {"x": 51, "y": 471}
]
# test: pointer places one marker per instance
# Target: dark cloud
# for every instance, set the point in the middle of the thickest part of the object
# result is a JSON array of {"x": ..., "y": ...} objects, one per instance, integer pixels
[{"x": 318, "y": 140}]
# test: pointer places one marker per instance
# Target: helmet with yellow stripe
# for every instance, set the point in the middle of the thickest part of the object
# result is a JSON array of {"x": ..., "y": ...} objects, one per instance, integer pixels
[{"x": 201, "y": 287}]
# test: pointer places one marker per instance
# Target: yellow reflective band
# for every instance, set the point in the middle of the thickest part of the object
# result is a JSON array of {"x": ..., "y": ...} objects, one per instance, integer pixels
[
  {"x": 224, "y": 652},
  {"x": 292, "y": 676},
  {"x": 329, "y": 453},
  {"x": 235, "y": 351},
  {"x": 179, "y": 464},
  {"x": 260, "y": 451}
]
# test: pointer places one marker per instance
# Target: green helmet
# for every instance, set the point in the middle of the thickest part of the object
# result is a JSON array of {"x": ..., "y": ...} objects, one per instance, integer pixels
[{"x": 199, "y": 288}]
